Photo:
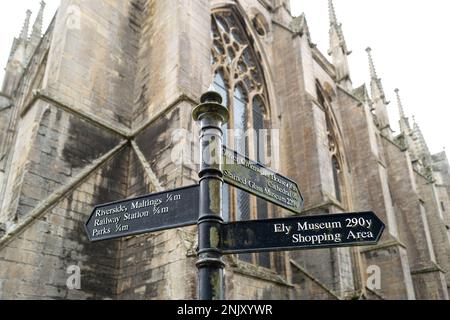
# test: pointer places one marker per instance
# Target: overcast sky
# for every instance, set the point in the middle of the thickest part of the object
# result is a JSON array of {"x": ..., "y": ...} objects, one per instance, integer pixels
[
  {"x": 411, "y": 49},
  {"x": 409, "y": 38}
]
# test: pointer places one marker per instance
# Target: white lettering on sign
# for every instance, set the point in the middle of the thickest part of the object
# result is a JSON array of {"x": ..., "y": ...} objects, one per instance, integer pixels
[
  {"x": 101, "y": 232},
  {"x": 317, "y": 239},
  {"x": 282, "y": 228},
  {"x": 107, "y": 212},
  {"x": 333, "y": 231},
  {"x": 105, "y": 221},
  {"x": 355, "y": 222},
  {"x": 305, "y": 226},
  {"x": 135, "y": 215},
  {"x": 235, "y": 177},
  {"x": 140, "y": 204},
  {"x": 360, "y": 235},
  {"x": 121, "y": 228},
  {"x": 170, "y": 197}
]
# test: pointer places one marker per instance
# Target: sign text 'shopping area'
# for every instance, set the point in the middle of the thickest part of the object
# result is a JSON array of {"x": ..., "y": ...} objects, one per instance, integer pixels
[{"x": 307, "y": 232}]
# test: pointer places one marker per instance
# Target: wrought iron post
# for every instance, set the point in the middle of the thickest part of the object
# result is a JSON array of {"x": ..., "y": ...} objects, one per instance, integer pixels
[{"x": 211, "y": 115}]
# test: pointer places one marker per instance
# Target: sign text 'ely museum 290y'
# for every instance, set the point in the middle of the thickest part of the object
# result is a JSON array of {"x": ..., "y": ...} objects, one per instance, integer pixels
[{"x": 202, "y": 205}]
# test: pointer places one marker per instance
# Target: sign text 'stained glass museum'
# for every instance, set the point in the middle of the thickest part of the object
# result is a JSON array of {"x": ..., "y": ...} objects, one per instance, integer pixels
[{"x": 96, "y": 127}]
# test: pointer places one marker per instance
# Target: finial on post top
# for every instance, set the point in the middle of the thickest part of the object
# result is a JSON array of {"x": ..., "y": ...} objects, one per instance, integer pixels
[
  {"x": 211, "y": 102},
  {"x": 211, "y": 96}
]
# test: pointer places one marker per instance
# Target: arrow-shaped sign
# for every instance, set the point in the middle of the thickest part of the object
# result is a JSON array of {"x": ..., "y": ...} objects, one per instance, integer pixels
[
  {"x": 154, "y": 212},
  {"x": 260, "y": 181},
  {"x": 310, "y": 232}
]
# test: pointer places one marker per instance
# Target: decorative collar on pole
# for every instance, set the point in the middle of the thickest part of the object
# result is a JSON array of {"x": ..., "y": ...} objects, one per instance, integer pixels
[
  {"x": 211, "y": 102},
  {"x": 211, "y": 96}
]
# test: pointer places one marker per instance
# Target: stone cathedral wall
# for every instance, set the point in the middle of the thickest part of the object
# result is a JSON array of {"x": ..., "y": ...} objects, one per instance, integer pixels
[{"x": 94, "y": 122}]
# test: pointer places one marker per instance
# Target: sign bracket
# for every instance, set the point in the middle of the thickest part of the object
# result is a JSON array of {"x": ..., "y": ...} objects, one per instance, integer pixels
[{"x": 202, "y": 205}]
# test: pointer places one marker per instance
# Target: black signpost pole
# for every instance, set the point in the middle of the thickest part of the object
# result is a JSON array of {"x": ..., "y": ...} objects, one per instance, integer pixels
[
  {"x": 175, "y": 208},
  {"x": 211, "y": 115}
]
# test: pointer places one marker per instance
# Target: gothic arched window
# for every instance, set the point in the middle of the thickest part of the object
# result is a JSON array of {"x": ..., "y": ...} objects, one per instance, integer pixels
[
  {"x": 238, "y": 77},
  {"x": 335, "y": 152}
]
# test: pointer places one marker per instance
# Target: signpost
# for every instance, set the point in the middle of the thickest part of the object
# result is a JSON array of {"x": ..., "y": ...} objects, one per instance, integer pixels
[
  {"x": 312, "y": 232},
  {"x": 260, "y": 181},
  {"x": 202, "y": 204},
  {"x": 212, "y": 116},
  {"x": 159, "y": 211}
]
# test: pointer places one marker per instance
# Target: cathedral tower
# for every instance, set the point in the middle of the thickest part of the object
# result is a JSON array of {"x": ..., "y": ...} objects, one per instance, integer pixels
[{"x": 98, "y": 109}]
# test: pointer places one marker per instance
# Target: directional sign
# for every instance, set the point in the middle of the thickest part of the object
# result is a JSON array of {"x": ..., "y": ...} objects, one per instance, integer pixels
[
  {"x": 155, "y": 212},
  {"x": 260, "y": 181},
  {"x": 311, "y": 232}
]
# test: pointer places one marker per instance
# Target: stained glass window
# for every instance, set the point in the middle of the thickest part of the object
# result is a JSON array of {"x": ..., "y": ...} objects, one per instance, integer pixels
[
  {"x": 240, "y": 80},
  {"x": 335, "y": 152}
]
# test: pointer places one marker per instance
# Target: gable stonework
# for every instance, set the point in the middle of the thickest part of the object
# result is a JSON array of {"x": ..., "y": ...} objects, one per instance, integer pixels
[{"x": 91, "y": 120}]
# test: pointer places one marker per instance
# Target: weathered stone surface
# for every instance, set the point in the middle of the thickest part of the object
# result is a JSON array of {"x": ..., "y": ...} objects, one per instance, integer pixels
[
  {"x": 41, "y": 255},
  {"x": 102, "y": 112}
]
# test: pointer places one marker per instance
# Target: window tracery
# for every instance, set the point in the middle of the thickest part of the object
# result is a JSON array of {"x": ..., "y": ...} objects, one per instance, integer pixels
[
  {"x": 333, "y": 145},
  {"x": 239, "y": 78}
]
